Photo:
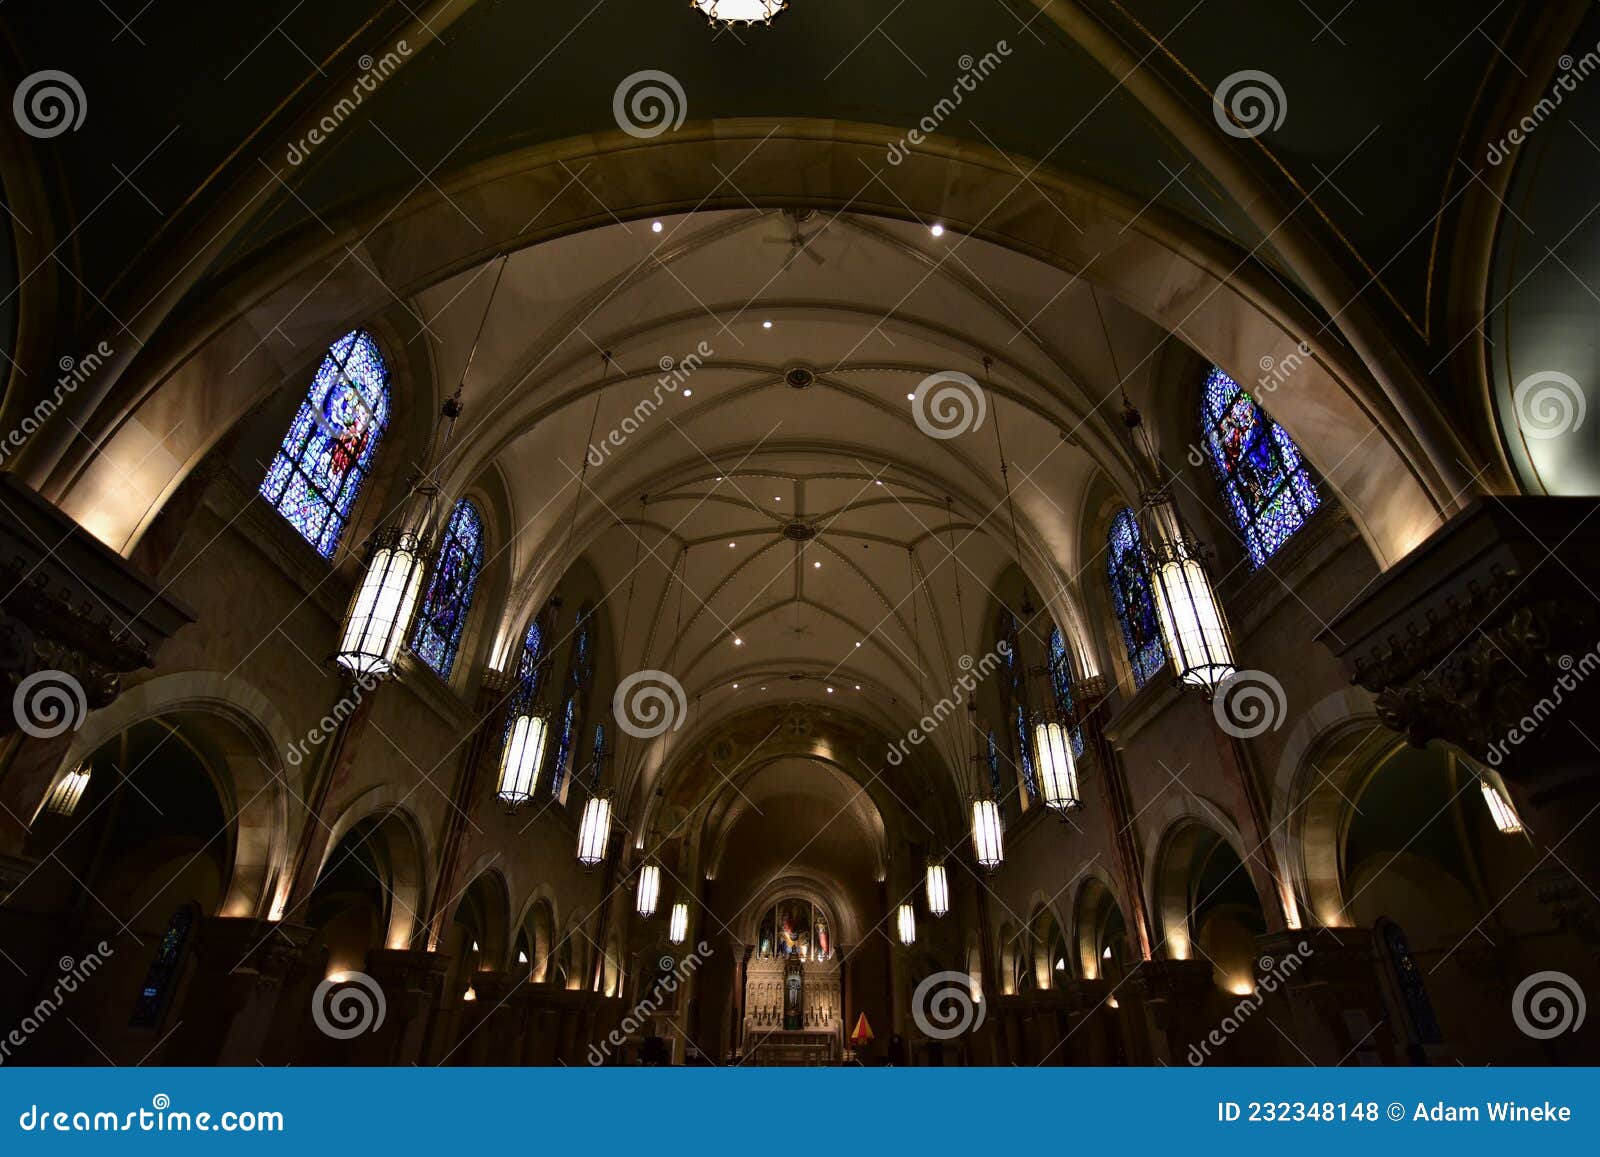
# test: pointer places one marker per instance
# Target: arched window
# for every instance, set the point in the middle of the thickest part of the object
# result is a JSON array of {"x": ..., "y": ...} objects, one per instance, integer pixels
[
  {"x": 593, "y": 777},
  {"x": 450, "y": 590},
  {"x": 1130, "y": 591},
  {"x": 995, "y": 783},
  {"x": 580, "y": 675},
  {"x": 1060, "y": 667},
  {"x": 162, "y": 975},
  {"x": 1263, "y": 476},
  {"x": 1422, "y": 1026},
  {"x": 327, "y": 453},
  {"x": 1014, "y": 697},
  {"x": 1025, "y": 752}
]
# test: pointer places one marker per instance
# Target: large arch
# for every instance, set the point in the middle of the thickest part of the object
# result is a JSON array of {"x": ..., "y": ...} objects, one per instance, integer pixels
[{"x": 213, "y": 366}]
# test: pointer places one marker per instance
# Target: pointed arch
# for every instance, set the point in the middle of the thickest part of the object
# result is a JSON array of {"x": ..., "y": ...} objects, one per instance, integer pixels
[
  {"x": 450, "y": 589},
  {"x": 328, "y": 449},
  {"x": 1263, "y": 476},
  {"x": 1130, "y": 593}
]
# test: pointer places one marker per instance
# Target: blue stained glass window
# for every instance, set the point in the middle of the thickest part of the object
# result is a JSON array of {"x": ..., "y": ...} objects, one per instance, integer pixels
[
  {"x": 450, "y": 590},
  {"x": 1130, "y": 591},
  {"x": 327, "y": 453},
  {"x": 1060, "y": 665},
  {"x": 1423, "y": 1025},
  {"x": 580, "y": 673},
  {"x": 162, "y": 974},
  {"x": 598, "y": 756},
  {"x": 1025, "y": 753},
  {"x": 1263, "y": 476},
  {"x": 995, "y": 783}
]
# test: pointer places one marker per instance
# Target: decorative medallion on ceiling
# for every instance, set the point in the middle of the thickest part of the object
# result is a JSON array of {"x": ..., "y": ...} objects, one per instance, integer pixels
[
  {"x": 799, "y": 531},
  {"x": 727, "y": 12}
]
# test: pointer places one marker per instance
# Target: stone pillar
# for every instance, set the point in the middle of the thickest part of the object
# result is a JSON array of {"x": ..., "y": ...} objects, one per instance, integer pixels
[
  {"x": 1172, "y": 998},
  {"x": 1487, "y": 636},
  {"x": 241, "y": 968},
  {"x": 1322, "y": 988},
  {"x": 1091, "y": 1023},
  {"x": 1094, "y": 704},
  {"x": 413, "y": 984},
  {"x": 75, "y": 617}
]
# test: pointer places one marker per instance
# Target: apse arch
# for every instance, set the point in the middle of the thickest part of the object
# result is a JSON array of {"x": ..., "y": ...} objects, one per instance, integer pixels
[
  {"x": 1231, "y": 311},
  {"x": 1099, "y": 927},
  {"x": 409, "y": 854},
  {"x": 1188, "y": 827}
]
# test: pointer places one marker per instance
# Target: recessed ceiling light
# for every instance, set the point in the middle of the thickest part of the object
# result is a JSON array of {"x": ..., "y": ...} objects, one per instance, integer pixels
[
  {"x": 877, "y": 481},
  {"x": 731, "y": 545},
  {"x": 736, "y": 686},
  {"x": 830, "y": 690},
  {"x": 688, "y": 393},
  {"x": 777, "y": 498},
  {"x": 738, "y": 642},
  {"x": 816, "y": 566},
  {"x": 858, "y": 686},
  {"x": 858, "y": 642},
  {"x": 766, "y": 325},
  {"x": 763, "y": 688},
  {"x": 655, "y": 226},
  {"x": 719, "y": 478},
  {"x": 937, "y": 230},
  {"x": 911, "y": 397}
]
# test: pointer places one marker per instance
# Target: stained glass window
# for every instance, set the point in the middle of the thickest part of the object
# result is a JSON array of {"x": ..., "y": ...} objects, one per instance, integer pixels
[
  {"x": 1025, "y": 753},
  {"x": 995, "y": 782},
  {"x": 530, "y": 668},
  {"x": 1263, "y": 476},
  {"x": 162, "y": 974},
  {"x": 327, "y": 453},
  {"x": 1423, "y": 1024},
  {"x": 1130, "y": 591},
  {"x": 450, "y": 590},
  {"x": 598, "y": 756},
  {"x": 580, "y": 674},
  {"x": 1060, "y": 667}
]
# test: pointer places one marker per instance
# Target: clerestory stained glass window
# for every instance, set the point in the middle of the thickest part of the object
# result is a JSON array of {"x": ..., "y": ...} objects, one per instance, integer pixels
[
  {"x": 580, "y": 674},
  {"x": 1130, "y": 592},
  {"x": 1262, "y": 473},
  {"x": 162, "y": 975},
  {"x": 327, "y": 453},
  {"x": 450, "y": 590},
  {"x": 1060, "y": 667}
]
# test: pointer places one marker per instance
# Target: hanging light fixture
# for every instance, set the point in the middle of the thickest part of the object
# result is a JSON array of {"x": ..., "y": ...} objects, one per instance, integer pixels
[
  {"x": 378, "y": 620},
  {"x": 1500, "y": 810},
  {"x": 678, "y": 930},
  {"x": 523, "y": 755},
  {"x": 908, "y": 925},
  {"x": 988, "y": 840},
  {"x": 728, "y": 12},
  {"x": 594, "y": 831},
  {"x": 1057, "y": 772},
  {"x": 1194, "y": 630},
  {"x": 66, "y": 795},
  {"x": 648, "y": 892},
  {"x": 938, "y": 888}
]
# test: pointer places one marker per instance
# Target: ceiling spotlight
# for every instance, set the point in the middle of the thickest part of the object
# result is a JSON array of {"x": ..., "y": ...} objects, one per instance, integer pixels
[
  {"x": 655, "y": 226},
  {"x": 777, "y": 498},
  {"x": 858, "y": 686},
  {"x": 911, "y": 397},
  {"x": 858, "y": 642},
  {"x": 688, "y": 393},
  {"x": 736, "y": 686},
  {"x": 738, "y": 642},
  {"x": 877, "y": 481},
  {"x": 816, "y": 566},
  {"x": 719, "y": 478},
  {"x": 937, "y": 230},
  {"x": 731, "y": 545},
  {"x": 830, "y": 690},
  {"x": 766, "y": 325}
]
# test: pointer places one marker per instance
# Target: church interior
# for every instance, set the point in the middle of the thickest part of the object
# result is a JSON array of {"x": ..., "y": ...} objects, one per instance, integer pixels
[{"x": 800, "y": 532}]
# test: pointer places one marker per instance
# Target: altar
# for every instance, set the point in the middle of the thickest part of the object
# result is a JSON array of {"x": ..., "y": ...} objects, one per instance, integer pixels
[{"x": 793, "y": 991}]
